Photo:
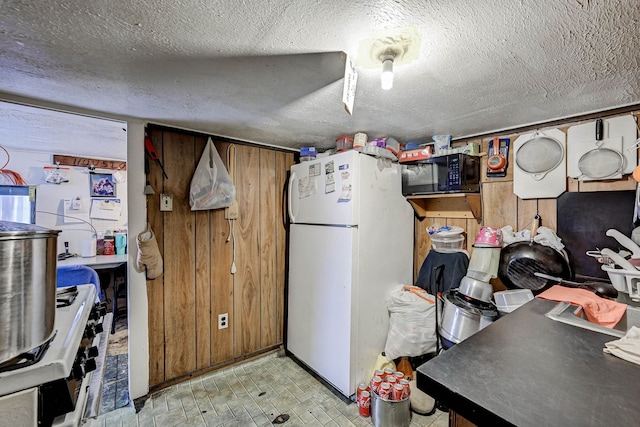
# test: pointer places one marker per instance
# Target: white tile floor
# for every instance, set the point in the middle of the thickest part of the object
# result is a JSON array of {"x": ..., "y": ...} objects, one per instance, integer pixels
[{"x": 251, "y": 394}]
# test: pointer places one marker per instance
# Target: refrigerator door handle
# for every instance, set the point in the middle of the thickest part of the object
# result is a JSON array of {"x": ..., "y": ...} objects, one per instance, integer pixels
[{"x": 289, "y": 207}]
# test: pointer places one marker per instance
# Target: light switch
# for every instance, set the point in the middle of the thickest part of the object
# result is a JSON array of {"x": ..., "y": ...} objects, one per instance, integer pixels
[{"x": 166, "y": 202}]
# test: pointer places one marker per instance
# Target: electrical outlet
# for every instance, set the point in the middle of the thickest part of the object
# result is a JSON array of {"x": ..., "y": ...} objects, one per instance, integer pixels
[
  {"x": 166, "y": 202},
  {"x": 223, "y": 321},
  {"x": 232, "y": 211}
]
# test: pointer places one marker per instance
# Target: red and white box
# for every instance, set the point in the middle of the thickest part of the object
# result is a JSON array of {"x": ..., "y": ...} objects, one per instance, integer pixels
[{"x": 421, "y": 153}]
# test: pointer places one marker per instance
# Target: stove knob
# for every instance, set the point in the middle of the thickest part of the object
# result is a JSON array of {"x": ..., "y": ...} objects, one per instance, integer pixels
[
  {"x": 90, "y": 365},
  {"x": 92, "y": 351},
  {"x": 103, "y": 308},
  {"x": 99, "y": 310},
  {"x": 89, "y": 333},
  {"x": 98, "y": 328},
  {"x": 77, "y": 372}
]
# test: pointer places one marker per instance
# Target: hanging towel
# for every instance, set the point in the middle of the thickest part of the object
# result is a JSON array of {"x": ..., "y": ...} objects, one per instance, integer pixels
[
  {"x": 149, "y": 257},
  {"x": 627, "y": 347},
  {"x": 599, "y": 310}
]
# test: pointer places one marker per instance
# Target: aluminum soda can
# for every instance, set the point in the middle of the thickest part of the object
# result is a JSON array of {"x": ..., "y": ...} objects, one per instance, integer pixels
[
  {"x": 391, "y": 380},
  {"x": 375, "y": 383},
  {"x": 364, "y": 403},
  {"x": 361, "y": 388},
  {"x": 398, "y": 392},
  {"x": 406, "y": 384},
  {"x": 385, "y": 391},
  {"x": 378, "y": 373},
  {"x": 388, "y": 372},
  {"x": 399, "y": 375}
]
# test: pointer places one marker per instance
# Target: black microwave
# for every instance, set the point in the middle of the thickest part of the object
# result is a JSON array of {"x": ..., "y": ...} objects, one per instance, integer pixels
[{"x": 452, "y": 173}]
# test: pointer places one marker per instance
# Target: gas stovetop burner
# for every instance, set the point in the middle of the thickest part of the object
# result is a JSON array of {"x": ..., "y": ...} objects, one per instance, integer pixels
[
  {"x": 66, "y": 296},
  {"x": 27, "y": 358}
]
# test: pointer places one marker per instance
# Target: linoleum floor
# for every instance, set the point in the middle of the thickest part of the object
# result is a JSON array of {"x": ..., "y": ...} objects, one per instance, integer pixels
[{"x": 252, "y": 394}]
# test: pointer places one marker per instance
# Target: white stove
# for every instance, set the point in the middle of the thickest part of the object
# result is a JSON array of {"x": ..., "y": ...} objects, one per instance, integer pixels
[{"x": 63, "y": 373}]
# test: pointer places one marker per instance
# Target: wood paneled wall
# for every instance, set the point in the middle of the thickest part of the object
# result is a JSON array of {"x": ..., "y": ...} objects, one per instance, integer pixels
[
  {"x": 501, "y": 207},
  {"x": 198, "y": 251}
]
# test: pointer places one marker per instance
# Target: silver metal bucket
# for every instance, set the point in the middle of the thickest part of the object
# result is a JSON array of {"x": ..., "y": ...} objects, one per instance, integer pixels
[
  {"x": 27, "y": 287},
  {"x": 390, "y": 413}
]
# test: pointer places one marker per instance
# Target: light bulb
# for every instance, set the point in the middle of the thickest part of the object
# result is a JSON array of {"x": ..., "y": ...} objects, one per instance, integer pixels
[{"x": 386, "y": 78}]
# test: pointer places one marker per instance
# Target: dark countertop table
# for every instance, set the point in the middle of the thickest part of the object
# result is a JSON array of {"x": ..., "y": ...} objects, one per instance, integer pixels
[{"x": 528, "y": 370}]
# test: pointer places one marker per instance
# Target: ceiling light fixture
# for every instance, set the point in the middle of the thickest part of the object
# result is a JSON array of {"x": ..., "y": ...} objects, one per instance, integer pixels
[{"x": 386, "y": 79}]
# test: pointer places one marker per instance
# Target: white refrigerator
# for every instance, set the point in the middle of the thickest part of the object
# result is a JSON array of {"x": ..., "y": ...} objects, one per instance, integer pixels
[{"x": 351, "y": 243}]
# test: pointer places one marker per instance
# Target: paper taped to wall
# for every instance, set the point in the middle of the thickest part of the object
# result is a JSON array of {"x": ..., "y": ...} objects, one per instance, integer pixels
[
  {"x": 106, "y": 209},
  {"x": 75, "y": 210}
]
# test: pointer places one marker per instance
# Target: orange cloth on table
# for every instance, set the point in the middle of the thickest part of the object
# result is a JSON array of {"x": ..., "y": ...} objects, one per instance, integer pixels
[{"x": 599, "y": 310}]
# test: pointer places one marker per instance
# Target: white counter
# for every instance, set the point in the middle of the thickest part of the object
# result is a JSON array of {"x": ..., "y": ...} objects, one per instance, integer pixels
[{"x": 97, "y": 262}]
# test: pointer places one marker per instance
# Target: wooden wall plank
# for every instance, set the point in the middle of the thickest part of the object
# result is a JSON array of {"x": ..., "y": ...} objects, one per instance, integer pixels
[
  {"x": 473, "y": 227},
  {"x": 246, "y": 327},
  {"x": 179, "y": 260},
  {"x": 220, "y": 260},
  {"x": 500, "y": 204},
  {"x": 547, "y": 208},
  {"x": 267, "y": 241},
  {"x": 527, "y": 210},
  {"x": 155, "y": 288},
  {"x": 203, "y": 240},
  {"x": 421, "y": 244}
]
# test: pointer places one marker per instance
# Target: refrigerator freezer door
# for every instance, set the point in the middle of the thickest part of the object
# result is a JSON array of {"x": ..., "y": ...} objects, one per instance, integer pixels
[
  {"x": 325, "y": 191},
  {"x": 319, "y": 326}
]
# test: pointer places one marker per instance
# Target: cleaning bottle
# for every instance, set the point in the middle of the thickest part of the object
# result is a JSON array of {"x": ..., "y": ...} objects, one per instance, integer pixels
[{"x": 405, "y": 367}]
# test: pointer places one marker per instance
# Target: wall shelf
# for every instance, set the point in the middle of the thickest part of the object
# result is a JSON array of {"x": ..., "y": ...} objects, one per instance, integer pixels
[{"x": 457, "y": 205}]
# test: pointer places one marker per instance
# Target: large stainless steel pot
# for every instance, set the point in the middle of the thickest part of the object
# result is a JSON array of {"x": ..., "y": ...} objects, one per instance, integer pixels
[
  {"x": 27, "y": 287},
  {"x": 462, "y": 317}
]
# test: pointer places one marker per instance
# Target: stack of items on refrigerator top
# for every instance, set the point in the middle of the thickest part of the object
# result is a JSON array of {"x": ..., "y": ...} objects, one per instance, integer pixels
[
  {"x": 384, "y": 147},
  {"x": 351, "y": 244}
]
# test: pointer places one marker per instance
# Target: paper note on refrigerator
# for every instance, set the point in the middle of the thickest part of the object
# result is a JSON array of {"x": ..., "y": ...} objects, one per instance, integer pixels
[
  {"x": 306, "y": 187},
  {"x": 329, "y": 183}
]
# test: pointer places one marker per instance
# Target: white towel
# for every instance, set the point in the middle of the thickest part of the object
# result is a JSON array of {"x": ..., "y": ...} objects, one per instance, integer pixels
[{"x": 627, "y": 347}]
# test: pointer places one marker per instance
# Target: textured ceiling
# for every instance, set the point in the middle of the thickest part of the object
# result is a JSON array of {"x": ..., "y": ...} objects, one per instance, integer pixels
[{"x": 271, "y": 71}]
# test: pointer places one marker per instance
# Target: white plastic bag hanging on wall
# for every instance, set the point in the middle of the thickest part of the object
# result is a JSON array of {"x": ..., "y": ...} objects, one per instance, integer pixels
[{"x": 211, "y": 185}]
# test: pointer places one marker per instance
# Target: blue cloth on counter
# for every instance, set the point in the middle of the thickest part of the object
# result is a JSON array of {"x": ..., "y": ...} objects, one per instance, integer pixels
[
  {"x": 71, "y": 275},
  {"x": 455, "y": 268}
]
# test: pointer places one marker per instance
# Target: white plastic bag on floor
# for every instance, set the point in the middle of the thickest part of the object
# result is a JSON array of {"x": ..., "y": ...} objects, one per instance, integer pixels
[
  {"x": 211, "y": 185},
  {"x": 412, "y": 323}
]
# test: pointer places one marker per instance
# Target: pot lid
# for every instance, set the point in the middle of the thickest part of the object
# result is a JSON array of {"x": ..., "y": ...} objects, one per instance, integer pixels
[
  {"x": 447, "y": 230},
  {"x": 477, "y": 307},
  {"x": 13, "y": 230}
]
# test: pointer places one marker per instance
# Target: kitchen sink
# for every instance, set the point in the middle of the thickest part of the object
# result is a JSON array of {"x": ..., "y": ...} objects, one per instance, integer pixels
[{"x": 574, "y": 315}]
